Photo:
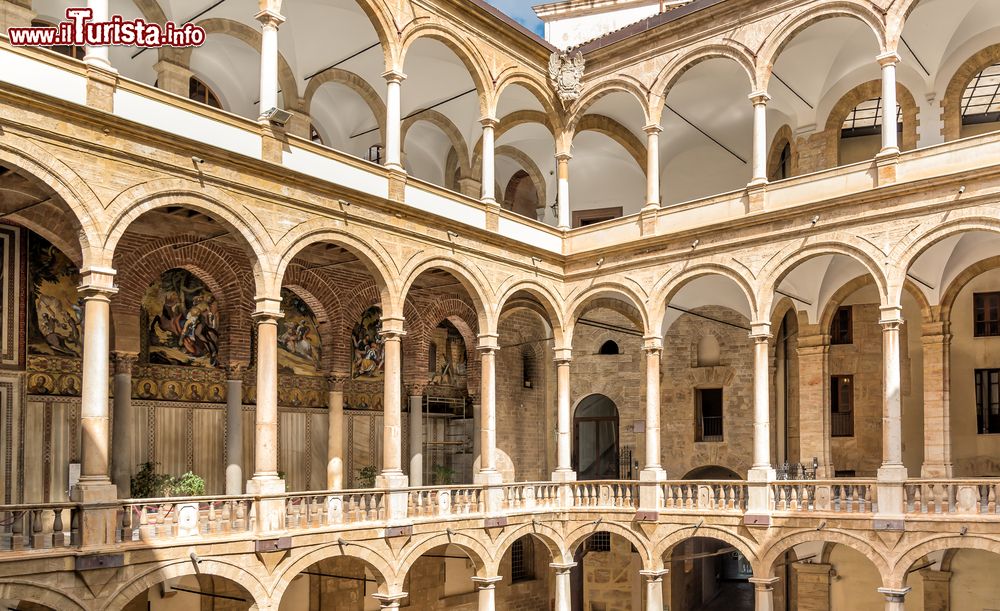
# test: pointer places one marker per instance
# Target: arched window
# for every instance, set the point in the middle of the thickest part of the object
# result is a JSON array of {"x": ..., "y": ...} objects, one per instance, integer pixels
[
  {"x": 783, "y": 169},
  {"x": 981, "y": 103},
  {"x": 528, "y": 368},
  {"x": 74, "y": 51},
  {"x": 200, "y": 92},
  {"x": 609, "y": 347},
  {"x": 861, "y": 134}
]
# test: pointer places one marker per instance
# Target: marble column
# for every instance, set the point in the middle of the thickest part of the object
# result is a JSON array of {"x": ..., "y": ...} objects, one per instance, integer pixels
[
  {"x": 266, "y": 424},
  {"x": 335, "y": 432},
  {"x": 393, "y": 122},
  {"x": 890, "y": 139},
  {"x": 234, "y": 429},
  {"x": 269, "y": 22},
  {"x": 650, "y": 495},
  {"x": 562, "y": 183},
  {"x": 416, "y": 435},
  {"x": 652, "y": 166},
  {"x": 761, "y": 473},
  {"x": 122, "y": 430},
  {"x": 892, "y": 474},
  {"x": 564, "y": 458},
  {"x": 488, "y": 347},
  {"x": 392, "y": 475},
  {"x": 763, "y": 592},
  {"x": 564, "y": 590},
  {"x": 96, "y": 290},
  {"x": 654, "y": 588},
  {"x": 759, "y": 100},
  {"x": 97, "y": 56},
  {"x": 936, "y": 338},
  {"x": 487, "y": 589},
  {"x": 894, "y": 598},
  {"x": 489, "y": 164}
]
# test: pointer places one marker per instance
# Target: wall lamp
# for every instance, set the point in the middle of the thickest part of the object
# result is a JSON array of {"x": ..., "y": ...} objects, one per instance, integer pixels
[{"x": 277, "y": 116}]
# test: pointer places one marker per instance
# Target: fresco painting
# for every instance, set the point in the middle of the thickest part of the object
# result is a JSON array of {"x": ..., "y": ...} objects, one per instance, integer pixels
[
  {"x": 298, "y": 337},
  {"x": 55, "y": 309},
  {"x": 181, "y": 318},
  {"x": 369, "y": 346}
]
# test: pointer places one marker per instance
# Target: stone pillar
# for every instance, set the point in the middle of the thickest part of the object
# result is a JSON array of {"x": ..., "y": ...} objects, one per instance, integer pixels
[
  {"x": 814, "y": 408},
  {"x": 562, "y": 183},
  {"x": 487, "y": 588},
  {"x": 265, "y": 481},
  {"x": 652, "y": 166},
  {"x": 122, "y": 424},
  {"x": 173, "y": 77},
  {"x": 654, "y": 588},
  {"x": 894, "y": 597},
  {"x": 652, "y": 472},
  {"x": 393, "y": 121},
  {"x": 97, "y": 56},
  {"x": 234, "y": 429},
  {"x": 416, "y": 433},
  {"x": 813, "y": 584},
  {"x": 936, "y": 338},
  {"x": 488, "y": 346},
  {"x": 564, "y": 460},
  {"x": 489, "y": 166},
  {"x": 335, "y": 433},
  {"x": 392, "y": 476},
  {"x": 890, "y": 144},
  {"x": 761, "y": 473},
  {"x": 892, "y": 473},
  {"x": 763, "y": 592},
  {"x": 269, "y": 21},
  {"x": 564, "y": 590},
  {"x": 937, "y": 590},
  {"x": 760, "y": 100}
]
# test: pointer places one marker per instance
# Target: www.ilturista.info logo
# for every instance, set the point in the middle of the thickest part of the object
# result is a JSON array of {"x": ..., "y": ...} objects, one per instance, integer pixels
[{"x": 80, "y": 29}]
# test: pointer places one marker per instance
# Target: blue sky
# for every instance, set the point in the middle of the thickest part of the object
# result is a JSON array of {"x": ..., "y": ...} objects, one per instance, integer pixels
[{"x": 521, "y": 11}]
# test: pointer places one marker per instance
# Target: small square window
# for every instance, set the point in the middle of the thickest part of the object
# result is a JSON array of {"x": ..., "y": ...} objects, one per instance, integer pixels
[
  {"x": 988, "y": 401},
  {"x": 986, "y": 314},
  {"x": 842, "y": 406},
  {"x": 599, "y": 542},
  {"x": 709, "y": 414},
  {"x": 842, "y": 327}
]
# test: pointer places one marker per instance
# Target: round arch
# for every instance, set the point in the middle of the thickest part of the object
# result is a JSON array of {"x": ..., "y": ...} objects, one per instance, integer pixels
[
  {"x": 25, "y": 590},
  {"x": 512, "y": 533},
  {"x": 606, "y": 126},
  {"x": 674, "y": 70},
  {"x": 470, "y": 57},
  {"x": 776, "y": 550},
  {"x": 449, "y": 129},
  {"x": 372, "y": 559},
  {"x": 668, "y": 287},
  {"x": 474, "y": 284},
  {"x": 631, "y": 88},
  {"x": 539, "y": 90},
  {"x": 577, "y": 535},
  {"x": 939, "y": 543},
  {"x": 952, "y": 100},
  {"x": 615, "y": 291},
  {"x": 182, "y": 568},
  {"x": 355, "y": 83},
  {"x": 472, "y": 547},
  {"x": 685, "y": 533}
]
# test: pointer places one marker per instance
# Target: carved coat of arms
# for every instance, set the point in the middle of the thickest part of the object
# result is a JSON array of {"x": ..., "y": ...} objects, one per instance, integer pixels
[{"x": 566, "y": 74}]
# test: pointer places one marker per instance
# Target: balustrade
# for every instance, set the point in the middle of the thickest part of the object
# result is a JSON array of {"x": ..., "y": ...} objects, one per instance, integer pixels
[
  {"x": 976, "y": 497},
  {"x": 47, "y": 526},
  {"x": 704, "y": 495},
  {"x": 835, "y": 496}
]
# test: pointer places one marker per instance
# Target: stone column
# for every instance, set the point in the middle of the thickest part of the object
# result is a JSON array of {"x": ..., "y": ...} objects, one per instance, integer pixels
[
  {"x": 813, "y": 586},
  {"x": 393, "y": 122},
  {"x": 892, "y": 473},
  {"x": 122, "y": 423},
  {"x": 890, "y": 144},
  {"x": 487, "y": 588},
  {"x": 652, "y": 166},
  {"x": 97, "y": 56},
  {"x": 269, "y": 21},
  {"x": 416, "y": 433},
  {"x": 392, "y": 475},
  {"x": 234, "y": 429},
  {"x": 489, "y": 166},
  {"x": 562, "y": 183},
  {"x": 894, "y": 598},
  {"x": 761, "y": 473},
  {"x": 488, "y": 346},
  {"x": 763, "y": 588},
  {"x": 270, "y": 512},
  {"x": 654, "y": 588},
  {"x": 760, "y": 100},
  {"x": 564, "y": 460},
  {"x": 652, "y": 472},
  {"x": 936, "y": 338},
  {"x": 564, "y": 591},
  {"x": 814, "y": 408},
  {"x": 335, "y": 432},
  {"x": 173, "y": 78}
]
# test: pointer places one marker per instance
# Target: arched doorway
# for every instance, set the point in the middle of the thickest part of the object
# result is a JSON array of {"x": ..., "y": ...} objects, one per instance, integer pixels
[{"x": 595, "y": 451}]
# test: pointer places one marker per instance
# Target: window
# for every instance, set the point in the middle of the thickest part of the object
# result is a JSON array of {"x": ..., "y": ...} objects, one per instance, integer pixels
[
  {"x": 582, "y": 218},
  {"x": 522, "y": 556},
  {"x": 866, "y": 119},
  {"x": 981, "y": 99},
  {"x": 599, "y": 542},
  {"x": 199, "y": 92},
  {"x": 528, "y": 372},
  {"x": 986, "y": 314},
  {"x": 842, "y": 327},
  {"x": 784, "y": 168},
  {"x": 842, "y": 406},
  {"x": 609, "y": 347},
  {"x": 74, "y": 51},
  {"x": 709, "y": 414},
  {"x": 988, "y": 401}
]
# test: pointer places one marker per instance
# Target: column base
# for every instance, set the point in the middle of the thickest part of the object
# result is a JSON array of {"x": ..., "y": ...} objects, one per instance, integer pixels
[
  {"x": 650, "y": 494},
  {"x": 98, "y": 524},
  {"x": 891, "y": 497},
  {"x": 397, "y": 499},
  {"x": 886, "y": 163},
  {"x": 759, "y": 496},
  {"x": 270, "y": 515}
]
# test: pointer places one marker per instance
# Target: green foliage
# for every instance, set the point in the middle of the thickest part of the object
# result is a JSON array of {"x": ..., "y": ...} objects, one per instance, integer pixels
[
  {"x": 366, "y": 477},
  {"x": 148, "y": 484},
  {"x": 443, "y": 475}
]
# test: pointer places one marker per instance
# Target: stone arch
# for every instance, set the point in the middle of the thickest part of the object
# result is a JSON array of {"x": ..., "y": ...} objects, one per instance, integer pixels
[
  {"x": 791, "y": 256},
  {"x": 966, "y": 276},
  {"x": 180, "y": 568},
  {"x": 450, "y": 130},
  {"x": 777, "y": 548},
  {"x": 897, "y": 577},
  {"x": 669, "y": 286},
  {"x": 951, "y": 103},
  {"x": 87, "y": 224},
  {"x": 322, "y": 298},
  {"x": 616, "y": 131},
  {"x": 551, "y": 305},
  {"x": 42, "y": 595},
  {"x": 477, "y": 552},
  {"x": 505, "y": 124},
  {"x": 830, "y": 309},
  {"x": 472, "y": 58},
  {"x": 539, "y": 89},
  {"x": 676, "y": 68},
  {"x": 514, "y": 532},
  {"x": 576, "y": 536},
  {"x": 473, "y": 282},
  {"x": 252, "y": 38},
  {"x": 528, "y": 165},
  {"x": 793, "y": 25},
  {"x": 609, "y": 295},
  {"x": 134, "y": 202},
  {"x": 462, "y": 316},
  {"x": 684, "y": 533},
  {"x": 353, "y": 82},
  {"x": 603, "y": 88},
  {"x": 373, "y": 559},
  {"x": 868, "y": 91}
]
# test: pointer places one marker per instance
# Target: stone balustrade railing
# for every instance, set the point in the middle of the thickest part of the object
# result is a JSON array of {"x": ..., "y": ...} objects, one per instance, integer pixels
[
  {"x": 833, "y": 496},
  {"x": 703, "y": 495},
  {"x": 173, "y": 518},
  {"x": 965, "y": 496},
  {"x": 52, "y": 525}
]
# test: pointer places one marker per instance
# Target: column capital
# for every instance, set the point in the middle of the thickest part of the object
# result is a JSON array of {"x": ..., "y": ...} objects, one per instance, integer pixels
[
  {"x": 562, "y": 567},
  {"x": 416, "y": 389},
  {"x": 489, "y": 122},
  {"x": 390, "y": 600},
  {"x": 759, "y": 98},
  {"x": 393, "y": 76},
  {"x": 888, "y": 59},
  {"x": 124, "y": 361},
  {"x": 267, "y": 307},
  {"x": 652, "y": 342},
  {"x": 655, "y": 575},
  {"x": 891, "y": 317},
  {"x": 97, "y": 281},
  {"x": 336, "y": 381},
  {"x": 488, "y": 342},
  {"x": 269, "y": 18},
  {"x": 234, "y": 371},
  {"x": 894, "y": 595},
  {"x": 764, "y": 583},
  {"x": 563, "y": 355},
  {"x": 652, "y": 129},
  {"x": 563, "y": 157},
  {"x": 486, "y": 583},
  {"x": 760, "y": 330},
  {"x": 392, "y": 327}
]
